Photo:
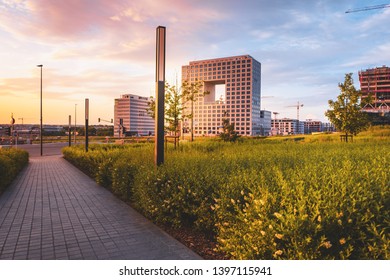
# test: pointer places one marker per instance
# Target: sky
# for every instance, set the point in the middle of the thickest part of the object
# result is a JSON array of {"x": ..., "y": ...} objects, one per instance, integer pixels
[{"x": 101, "y": 49}]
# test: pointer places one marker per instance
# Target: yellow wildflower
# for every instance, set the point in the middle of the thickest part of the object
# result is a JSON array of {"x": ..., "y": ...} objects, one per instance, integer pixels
[
  {"x": 278, "y": 253},
  {"x": 277, "y": 215},
  {"x": 279, "y": 236},
  {"x": 327, "y": 244}
]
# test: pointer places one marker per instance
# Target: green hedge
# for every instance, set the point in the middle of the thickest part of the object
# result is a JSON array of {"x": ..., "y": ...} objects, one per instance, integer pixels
[
  {"x": 260, "y": 200},
  {"x": 12, "y": 162}
]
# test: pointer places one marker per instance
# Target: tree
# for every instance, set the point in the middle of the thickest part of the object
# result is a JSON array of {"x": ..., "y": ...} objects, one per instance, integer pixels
[
  {"x": 228, "y": 134},
  {"x": 172, "y": 108},
  {"x": 190, "y": 93},
  {"x": 151, "y": 109},
  {"x": 345, "y": 113}
]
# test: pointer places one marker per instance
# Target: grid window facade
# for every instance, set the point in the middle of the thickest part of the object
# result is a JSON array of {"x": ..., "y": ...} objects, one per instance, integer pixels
[
  {"x": 376, "y": 82},
  {"x": 241, "y": 76},
  {"x": 132, "y": 110}
]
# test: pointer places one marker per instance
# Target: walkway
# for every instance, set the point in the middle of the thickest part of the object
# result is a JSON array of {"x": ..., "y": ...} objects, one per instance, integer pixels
[{"x": 54, "y": 211}]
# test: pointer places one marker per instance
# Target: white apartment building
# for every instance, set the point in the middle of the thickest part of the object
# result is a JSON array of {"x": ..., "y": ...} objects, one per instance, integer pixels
[
  {"x": 234, "y": 84},
  {"x": 130, "y": 113}
]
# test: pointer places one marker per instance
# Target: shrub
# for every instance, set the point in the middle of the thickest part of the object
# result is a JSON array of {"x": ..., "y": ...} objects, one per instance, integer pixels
[
  {"x": 261, "y": 199},
  {"x": 12, "y": 161}
]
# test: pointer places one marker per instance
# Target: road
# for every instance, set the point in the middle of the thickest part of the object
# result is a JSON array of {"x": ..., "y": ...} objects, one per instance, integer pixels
[{"x": 49, "y": 149}]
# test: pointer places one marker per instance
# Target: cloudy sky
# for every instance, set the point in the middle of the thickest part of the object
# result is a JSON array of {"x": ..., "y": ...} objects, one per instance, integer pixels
[{"x": 101, "y": 49}]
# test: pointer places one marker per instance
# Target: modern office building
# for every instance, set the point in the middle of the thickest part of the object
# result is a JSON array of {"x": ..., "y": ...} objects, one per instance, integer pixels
[
  {"x": 130, "y": 113},
  {"x": 376, "y": 82},
  {"x": 312, "y": 126},
  {"x": 265, "y": 122},
  {"x": 234, "y": 84},
  {"x": 286, "y": 126},
  {"x": 328, "y": 127}
]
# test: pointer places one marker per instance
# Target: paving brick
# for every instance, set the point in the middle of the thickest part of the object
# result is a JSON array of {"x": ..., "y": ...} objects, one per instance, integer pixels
[{"x": 54, "y": 211}]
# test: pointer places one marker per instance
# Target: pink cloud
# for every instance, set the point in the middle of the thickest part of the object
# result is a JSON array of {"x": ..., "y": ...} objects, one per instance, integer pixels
[
  {"x": 71, "y": 18},
  {"x": 83, "y": 19}
]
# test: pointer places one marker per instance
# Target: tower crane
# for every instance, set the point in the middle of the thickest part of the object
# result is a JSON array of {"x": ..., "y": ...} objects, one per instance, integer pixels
[
  {"x": 381, "y": 6},
  {"x": 22, "y": 119},
  {"x": 297, "y": 106}
]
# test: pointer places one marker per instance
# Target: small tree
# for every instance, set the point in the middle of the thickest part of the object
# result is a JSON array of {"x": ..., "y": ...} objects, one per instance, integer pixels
[
  {"x": 345, "y": 113},
  {"x": 228, "y": 134},
  {"x": 151, "y": 109},
  {"x": 190, "y": 93},
  {"x": 172, "y": 108}
]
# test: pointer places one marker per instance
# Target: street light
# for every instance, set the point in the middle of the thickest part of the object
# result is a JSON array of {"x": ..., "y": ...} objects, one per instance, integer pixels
[
  {"x": 160, "y": 83},
  {"x": 86, "y": 123},
  {"x": 75, "y": 123},
  {"x": 40, "y": 130}
]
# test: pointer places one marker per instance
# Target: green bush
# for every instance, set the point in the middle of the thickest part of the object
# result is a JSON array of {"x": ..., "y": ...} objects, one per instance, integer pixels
[
  {"x": 260, "y": 199},
  {"x": 12, "y": 162},
  {"x": 334, "y": 206}
]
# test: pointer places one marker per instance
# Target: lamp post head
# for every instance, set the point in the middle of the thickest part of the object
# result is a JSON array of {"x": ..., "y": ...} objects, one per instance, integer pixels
[{"x": 40, "y": 65}]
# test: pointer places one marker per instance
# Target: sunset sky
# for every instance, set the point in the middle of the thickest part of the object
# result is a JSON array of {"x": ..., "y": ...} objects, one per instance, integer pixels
[{"x": 101, "y": 49}]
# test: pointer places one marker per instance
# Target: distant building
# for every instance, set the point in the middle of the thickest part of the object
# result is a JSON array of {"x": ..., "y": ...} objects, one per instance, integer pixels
[
  {"x": 328, "y": 127},
  {"x": 131, "y": 115},
  {"x": 376, "y": 82},
  {"x": 286, "y": 126},
  {"x": 311, "y": 126},
  {"x": 234, "y": 84},
  {"x": 265, "y": 122}
]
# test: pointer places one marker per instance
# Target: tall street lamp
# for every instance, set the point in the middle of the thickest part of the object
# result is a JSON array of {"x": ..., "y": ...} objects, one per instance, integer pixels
[
  {"x": 75, "y": 123},
  {"x": 160, "y": 83},
  {"x": 40, "y": 130}
]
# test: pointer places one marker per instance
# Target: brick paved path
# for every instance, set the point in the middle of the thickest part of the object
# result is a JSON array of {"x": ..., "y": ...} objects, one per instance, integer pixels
[{"x": 54, "y": 211}]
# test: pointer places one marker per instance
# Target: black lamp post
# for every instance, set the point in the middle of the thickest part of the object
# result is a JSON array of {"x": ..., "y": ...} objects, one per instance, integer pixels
[
  {"x": 40, "y": 130},
  {"x": 160, "y": 83}
]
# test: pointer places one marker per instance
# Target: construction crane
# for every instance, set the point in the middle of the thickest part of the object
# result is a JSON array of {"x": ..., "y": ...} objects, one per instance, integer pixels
[
  {"x": 381, "y": 6},
  {"x": 22, "y": 119},
  {"x": 297, "y": 106}
]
